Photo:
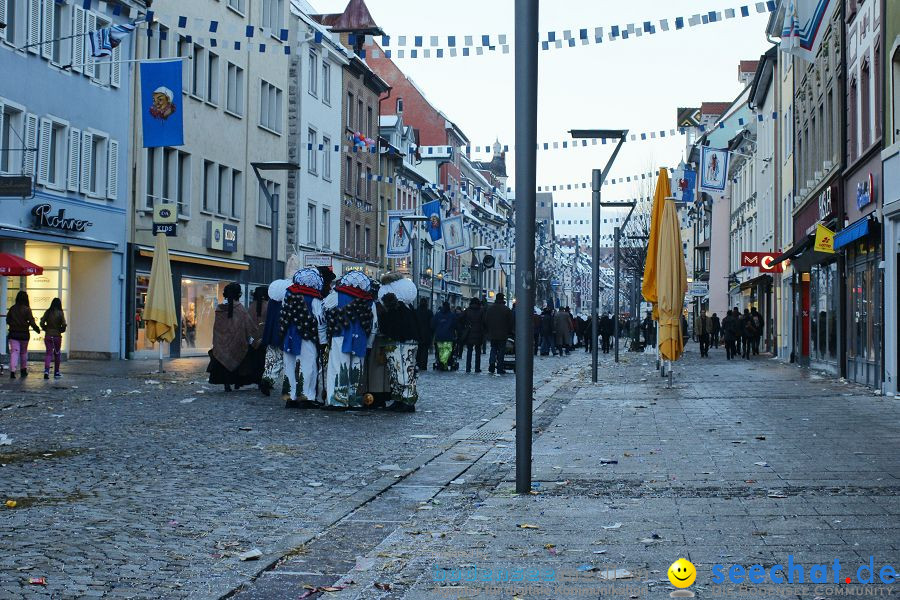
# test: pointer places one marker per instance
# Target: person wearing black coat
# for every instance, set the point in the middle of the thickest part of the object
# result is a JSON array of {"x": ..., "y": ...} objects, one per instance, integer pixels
[
  {"x": 423, "y": 319},
  {"x": 472, "y": 333},
  {"x": 748, "y": 332},
  {"x": 730, "y": 329},
  {"x": 547, "y": 335},
  {"x": 498, "y": 326},
  {"x": 715, "y": 328},
  {"x": 606, "y": 330}
]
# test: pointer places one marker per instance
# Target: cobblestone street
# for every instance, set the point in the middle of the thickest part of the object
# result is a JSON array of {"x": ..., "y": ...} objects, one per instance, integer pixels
[{"x": 130, "y": 484}]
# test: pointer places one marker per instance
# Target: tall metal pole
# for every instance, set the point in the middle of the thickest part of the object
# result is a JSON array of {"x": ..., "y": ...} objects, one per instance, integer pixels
[
  {"x": 616, "y": 295},
  {"x": 526, "y": 86},
  {"x": 596, "y": 183}
]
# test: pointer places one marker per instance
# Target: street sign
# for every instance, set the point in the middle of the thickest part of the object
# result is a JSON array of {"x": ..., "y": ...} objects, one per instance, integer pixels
[
  {"x": 699, "y": 289},
  {"x": 318, "y": 260},
  {"x": 166, "y": 228},
  {"x": 15, "y": 186}
]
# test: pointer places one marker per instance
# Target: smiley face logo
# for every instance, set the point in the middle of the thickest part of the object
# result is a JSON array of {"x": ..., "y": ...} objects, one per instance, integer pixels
[{"x": 682, "y": 573}]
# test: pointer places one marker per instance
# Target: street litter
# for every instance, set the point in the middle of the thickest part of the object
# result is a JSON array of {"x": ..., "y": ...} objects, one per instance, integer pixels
[
  {"x": 188, "y": 400},
  {"x": 106, "y": 392},
  {"x": 310, "y": 590},
  {"x": 11, "y": 503},
  {"x": 616, "y": 574},
  {"x": 385, "y": 587},
  {"x": 760, "y": 437},
  {"x": 151, "y": 382},
  {"x": 613, "y": 526},
  {"x": 253, "y": 554},
  {"x": 457, "y": 482},
  {"x": 761, "y": 464},
  {"x": 600, "y": 551},
  {"x": 776, "y": 494},
  {"x": 37, "y": 581},
  {"x": 245, "y": 428},
  {"x": 608, "y": 461},
  {"x": 5, "y": 440},
  {"x": 527, "y": 526},
  {"x": 315, "y": 484}
]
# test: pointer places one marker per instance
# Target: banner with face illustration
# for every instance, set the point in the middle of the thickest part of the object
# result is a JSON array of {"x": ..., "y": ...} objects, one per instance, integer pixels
[
  {"x": 162, "y": 111},
  {"x": 432, "y": 210}
]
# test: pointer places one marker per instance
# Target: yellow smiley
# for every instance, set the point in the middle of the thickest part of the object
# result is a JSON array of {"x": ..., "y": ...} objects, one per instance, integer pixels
[{"x": 682, "y": 573}]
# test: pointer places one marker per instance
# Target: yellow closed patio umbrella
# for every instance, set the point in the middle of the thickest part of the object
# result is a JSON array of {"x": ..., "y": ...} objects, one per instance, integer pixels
[
  {"x": 671, "y": 284},
  {"x": 648, "y": 286},
  {"x": 160, "y": 321}
]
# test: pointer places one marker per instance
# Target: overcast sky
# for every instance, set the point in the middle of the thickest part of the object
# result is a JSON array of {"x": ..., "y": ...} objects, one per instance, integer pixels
[{"x": 634, "y": 84}]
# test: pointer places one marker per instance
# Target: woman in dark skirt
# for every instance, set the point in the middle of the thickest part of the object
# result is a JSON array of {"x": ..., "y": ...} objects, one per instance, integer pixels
[
  {"x": 258, "y": 310},
  {"x": 230, "y": 362}
]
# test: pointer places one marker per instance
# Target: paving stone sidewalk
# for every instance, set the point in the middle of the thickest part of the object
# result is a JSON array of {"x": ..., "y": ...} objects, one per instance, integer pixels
[
  {"x": 743, "y": 462},
  {"x": 136, "y": 485}
]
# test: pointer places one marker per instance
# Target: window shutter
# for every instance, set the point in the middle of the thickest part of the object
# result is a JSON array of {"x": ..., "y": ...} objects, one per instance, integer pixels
[
  {"x": 49, "y": 15},
  {"x": 31, "y": 140},
  {"x": 3, "y": 19},
  {"x": 90, "y": 67},
  {"x": 2, "y": 109},
  {"x": 87, "y": 144},
  {"x": 115, "y": 77},
  {"x": 78, "y": 25},
  {"x": 112, "y": 170},
  {"x": 43, "y": 171},
  {"x": 34, "y": 25},
  {"x": 74, "y": 158}
]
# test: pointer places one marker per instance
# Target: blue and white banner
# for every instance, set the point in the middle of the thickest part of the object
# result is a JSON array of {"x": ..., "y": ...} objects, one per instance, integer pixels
[
  {"x": 804, "y": 27},
  {"x": 104, "y": 41},
  {"x": 399, "y": 244},
  {"x": 453, "y": 233},
  {"x": 162, "y": 111},
  {"x": 432, "y": 210},
  {"x": 713, "y": 169},
  {"x": 687, "y": 185}
]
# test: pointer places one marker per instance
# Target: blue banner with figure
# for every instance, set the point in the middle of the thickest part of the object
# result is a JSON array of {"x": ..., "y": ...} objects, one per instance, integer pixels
[
  {"x": 432, "y": 210},
  {"x": 162, "y": 113}
]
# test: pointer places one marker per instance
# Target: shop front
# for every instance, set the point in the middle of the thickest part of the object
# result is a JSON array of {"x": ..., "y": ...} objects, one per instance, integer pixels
[
  {"x": 859, "y": 245},
  {"x": 80, "y": 247},
  {"x": 891, "y": 210}
]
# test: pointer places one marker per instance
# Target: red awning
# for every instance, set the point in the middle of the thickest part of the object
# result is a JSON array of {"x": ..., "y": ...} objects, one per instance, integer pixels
[{"x": 12, "y": 265}]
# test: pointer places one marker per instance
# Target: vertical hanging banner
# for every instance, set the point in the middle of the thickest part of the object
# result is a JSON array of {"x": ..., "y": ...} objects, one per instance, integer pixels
[
  {"x": 687, "y": 184},
  {"x": 399, "y": 244},
  {"x": 432, "y": 210},
  {"x": 713, "y": 169},
  {"x": 452, "y": 233},
  {"x": 804, "y": 27},
  {"x": 162, "y": 112}
]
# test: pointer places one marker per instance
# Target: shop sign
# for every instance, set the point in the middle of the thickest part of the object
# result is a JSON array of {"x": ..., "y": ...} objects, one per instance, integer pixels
[
  {"x": 318, "y": 260},
  {"x": 17, "y": 185},
  {"x": 43, "y": 218},
  {"x": 826, "y": 207},
  {"x": 865, "y": 191},
  {"x": 230, "y": 233},
  {"x": 762, "y": 260},
  {"x": 824, "y": 240},
  {"x": 221, "y": 236},
  {"x": 165, "y": 213},
  {"x": 167, "y": 229},
  {"x": 698, "y": 289}
]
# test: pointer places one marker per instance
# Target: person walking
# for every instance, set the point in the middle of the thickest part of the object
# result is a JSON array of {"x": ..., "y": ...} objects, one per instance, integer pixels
[
  {"x": 605, "y": 330},
  {"x": 472, "y": 333},
  {"x": 701, "y": 330},
  {"x": 536, "y": 323},
  {"x": 561, "y": 331},
  {"x": 757, "y": 320},
  {"x": 715, "y": 328},
  {"x": 258, "y": 313},
  {"x": 498, "y": 326},
  {"x": 547, "y": 334},
  {"x": 54, "y": 325},
  {"x": 232, "y": 333},
  {"x": 444, "y": 326},
  {"x": 730, "y": 333},
  {"x": 747, "y": 333},
  {"x": 648, "y": 329},
  {"x": 588, "y": 334},
  {"x": 423, "y": 316},
  {"x": 19, "y": 319},
  {"x": 399, "y": 325}
]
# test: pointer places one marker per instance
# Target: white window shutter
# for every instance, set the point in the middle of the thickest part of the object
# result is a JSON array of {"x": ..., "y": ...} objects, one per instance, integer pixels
[
  {"x": 3, "y": 18},
  {"x": 87, "y": 144},
  {"x": 34, "y": 25},
  {"x": 112, "y": 170},
  {"x": 78, "y": 30},
  {"x": 90, "y": 67},
  {"x": 43, "y": 171},
  {"x": 49, "y": 15},
  {"x": 115, "y": 77},
  {"x": 74, "y": 158},
  {"x": 31, "y": 140}
]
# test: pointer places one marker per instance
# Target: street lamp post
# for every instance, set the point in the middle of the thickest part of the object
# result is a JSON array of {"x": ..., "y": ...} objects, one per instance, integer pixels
[
  {"x": 273, "y": 201},
  {"x": 597, "y": 178},
  {"x": 415, "y": 251}
]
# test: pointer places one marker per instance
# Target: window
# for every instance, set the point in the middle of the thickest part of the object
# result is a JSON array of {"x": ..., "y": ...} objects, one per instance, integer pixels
[
  {"x": 263, "y": 212},
  {"x": 879, "y": 98},
  {"x": 198, "y": 83},
  {"x": 367, "y": 241},
  {"x": 312, "y": 151},
  {"x": 60, "y": 50},
  {"x": 895, "y": 96},
  {"x": 326, "y": 228},
  {"x": 270, "y": 107},
  {"x": 237, "y": 5},
  {"x": 12, "y": 126},
  {"x": 224, "y": 191},
  {"x": 852, "y": 151},
  {"x": 168, "y": 176},
  {"x": 93, "y": 167},
  {"x": 212, "y": 79},
  {"x": 348, "y": 172},
  {"x": 357, "y": 240},
  {"x": 158, "y": 41},
  {"x": 234, "y": 101},
  {"x": 369, "y": 130},
  {"x": 326, "y": 83},
  {"x": 865, "y": 118},
  {"x": 359, "y": 181},
  {"x": 326, "y": 158},
  {"x": 399, "y": 105},
  {"x": 350, "y": 106},
  {"x": 311, "y": 224},
  {"x": 313, "y": 74},
  {"x": 15, "y": 23},
  {"x": 369, "y": 184},
  {"x": 185, "y": 48},
  {"x": 52, "y": 152},
  {"x": 237, "y": 193},
  {"x": 272, "y": 14},
  {"x": 210, "y": 181},
  {"x": 359, "y": 115},
  {"x": 347, "y": 236}
]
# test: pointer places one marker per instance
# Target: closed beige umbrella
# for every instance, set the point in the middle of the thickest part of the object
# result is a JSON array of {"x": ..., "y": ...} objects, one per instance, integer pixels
[
  {"x": 671, "y": 284},
  {"x": 160, "y": 321}
]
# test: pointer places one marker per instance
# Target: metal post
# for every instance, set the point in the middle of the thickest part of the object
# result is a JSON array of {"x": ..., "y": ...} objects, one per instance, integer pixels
[
  {"x": 431, "y": 299},
  {"x": 616, "y": 294},
  {"x": 526, "y": 84},
  {"x": 596, "y": 183}
]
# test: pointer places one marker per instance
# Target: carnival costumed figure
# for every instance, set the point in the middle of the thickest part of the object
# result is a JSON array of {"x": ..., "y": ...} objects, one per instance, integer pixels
[
  {"x": 273, "y": 370},
  {"x": 398, "y": 323},
  {"x": 303, "y": 329},
  {"x": 351, "y": 319}
]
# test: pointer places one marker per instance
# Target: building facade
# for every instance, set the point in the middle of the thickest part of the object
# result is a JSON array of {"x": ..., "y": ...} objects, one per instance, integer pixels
[{"x": 890, "y": 157}]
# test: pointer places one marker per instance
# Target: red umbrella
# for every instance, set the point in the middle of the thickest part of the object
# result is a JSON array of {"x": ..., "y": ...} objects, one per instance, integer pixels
[{"x": 12, "y": 265}]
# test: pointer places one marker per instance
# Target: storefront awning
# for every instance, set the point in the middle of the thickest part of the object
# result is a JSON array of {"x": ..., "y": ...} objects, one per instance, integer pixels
[
  {"x": 199, "y": 259},
  {"x": 852, "y": 233},
  {"x": 798, "y": 248},
  {"x": 756, "y": 282}
]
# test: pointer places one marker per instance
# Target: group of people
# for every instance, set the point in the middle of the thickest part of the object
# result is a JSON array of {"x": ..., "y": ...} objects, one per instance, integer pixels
[
  {"x": 20, "y": 322},
  {"x": 740, "y": 332}
]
